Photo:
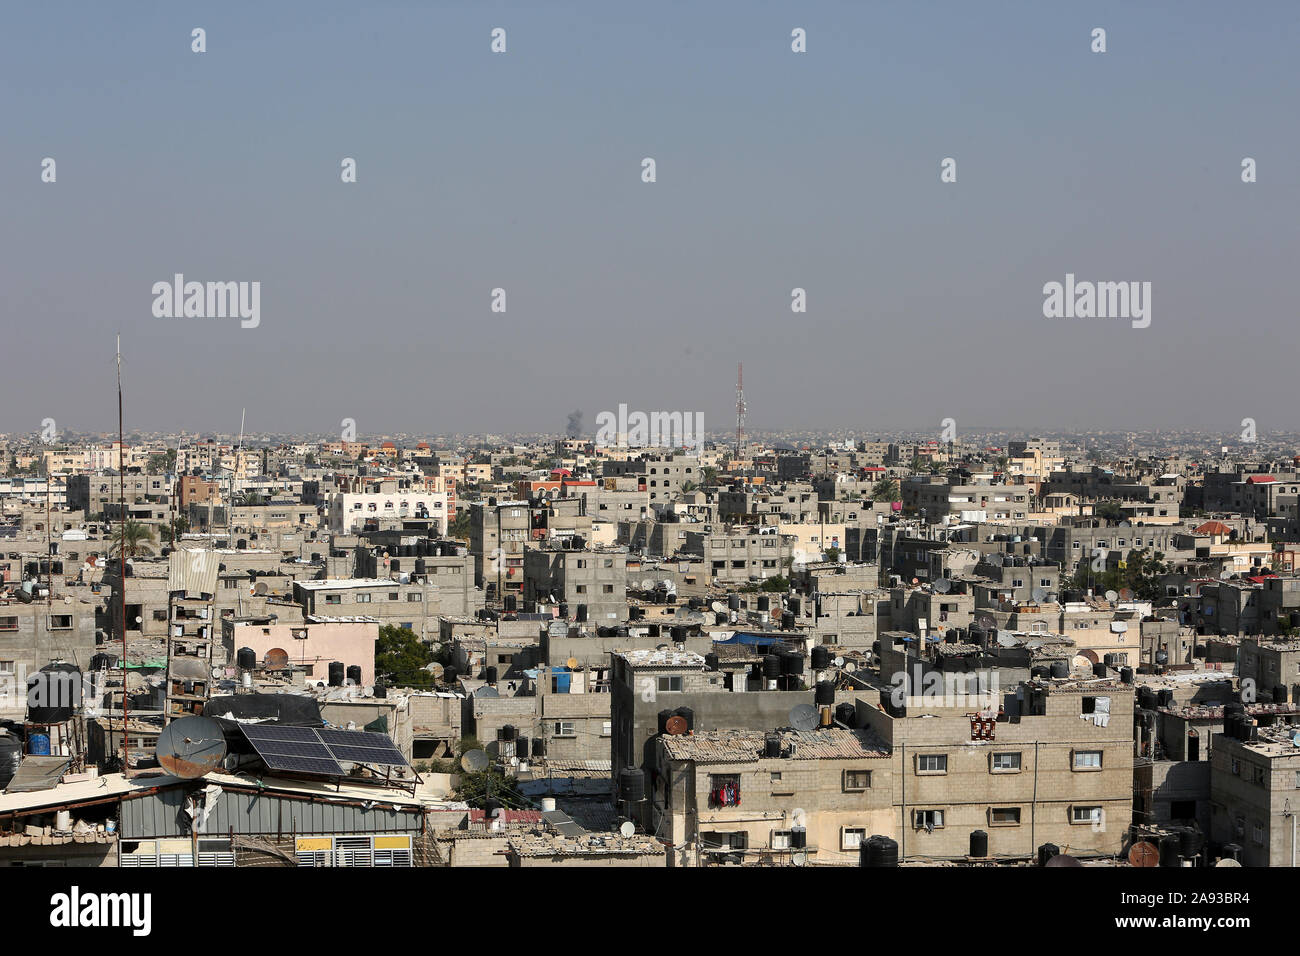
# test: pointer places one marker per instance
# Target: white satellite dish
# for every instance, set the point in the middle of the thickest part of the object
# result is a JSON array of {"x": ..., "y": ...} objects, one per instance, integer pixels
[
  {"x": 1112, "y": 596},
  {"x": 627, "y": 829}
]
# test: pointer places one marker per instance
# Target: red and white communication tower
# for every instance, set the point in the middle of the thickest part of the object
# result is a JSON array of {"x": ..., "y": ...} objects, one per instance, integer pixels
[{"x": 740, "y": 409}]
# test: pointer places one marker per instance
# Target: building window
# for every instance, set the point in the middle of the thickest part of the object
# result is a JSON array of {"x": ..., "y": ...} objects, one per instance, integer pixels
[
  {"x": 414, "y": 597},
  {"x": 333, "y": 599},
  {"x": 781, "y": 839},
  {"x": 1080, "y": 815},
  {"x": 60, "y": 622},
  {"x": 932, "y": 763},
  {"x": 1257, "y": 775},
  {"x": 7, "y": 668},
  {"x": 565, "y": 728},
  {"x": 605, "y": 729},
  {"x": 1006, "y": 763},
  {"x": 8, "y": 623},
  {"x": 363, "y": 598},
  {"x": 1087, "y": 760},
  {"x": 927, "y": 819},
  {"x": 668, "y": 685},
  {"x": 857, "y": 780},
  {"x": 851, "y": 837},
  {"x": 1004, "y": 816},
  {"x": 1258, "y": 835}
]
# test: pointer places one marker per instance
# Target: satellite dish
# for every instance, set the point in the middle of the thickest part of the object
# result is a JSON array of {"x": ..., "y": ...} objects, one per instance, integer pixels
[
  {"x": 804, "y": 717},
  {"x": 987, "y": 623},
  {"x": 218, "y": 673},
  {"x": 191, "y": 747},
  {"x": 571, "y": 663},
  {"x": 1125, "y": 594},
  {"x": 1226, "y": 861},
  {"x": 1144, "y": 854},
  {"x": 675, "y": 725},
  {"x": 486, "y": 691},
  {"x": 1039, "y": 595},
  {"x": 839, "y": 662},
  {"x": 628, "y": 828},
  {"x": 799, "y": 858},
  {"x": 436, "y": 670},
  {"x": 1125, "y": 524},
  {"x": 260, "y": 588},
  {"x": 474, "y": 760},
  {"x": 277, "y": 659},
  {"x": 942, "y": 585},
  {"x": 647, "y": 584},
  {"x": 1061, "y": 860},
  {"x": 718, "y": 607},
  {"x": 1112, "y": 596},
  {"x": 995, "y": 558}
]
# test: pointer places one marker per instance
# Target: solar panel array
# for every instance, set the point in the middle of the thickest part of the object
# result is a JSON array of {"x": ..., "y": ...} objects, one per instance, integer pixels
[{"x": 321, "y": 751}]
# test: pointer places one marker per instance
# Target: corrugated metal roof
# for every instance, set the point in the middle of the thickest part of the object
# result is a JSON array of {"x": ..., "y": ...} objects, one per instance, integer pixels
[
  {"x": 193, "y": 571},
  {"x": 161, "y": 814}
]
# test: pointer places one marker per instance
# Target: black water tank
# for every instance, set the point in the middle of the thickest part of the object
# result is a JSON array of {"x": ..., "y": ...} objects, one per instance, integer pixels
[
  {"x": 1126, "y": 675},
  {"x": 711, "y": 661},
  {"x": 677, "y": 634},
  {"x": 979, "y": 843},
  {"x": 846, "y": 714},
  {"x": 1279, "y": 694},
  {"x": 1232, "y": 851},
  {"x": 1046, "y": 852},
  {"x": 798, "y": 838},
  {"x": 337, "y": 672},
  {"x": 824, "y": 695},
  {"x": 791, "y": 662},
  {"x": 449, "y": 674},
  {"x": 771, "y": 746},
  {"x": 733, "y": 602},
  {"x": 1099, "y": 669},
  {"x": 879, "y": 851},
  {"x": 686, "y": 714},
  {"x": 787, "y": 620},
  {"x": 53, "y": 693},
  {"x": 539, "y": 746},
  {"x": 246, "y": 658},
  {"x": 564, "y": 611},
  {"x": 506, "y": 733},
  {"x": 771, "y": 666},
  {"x": 631, "y": 784},
  {"x": 509, "y": 603},
  {"x": 354, "y": 674},
  {"x": 582, "y": 614},
  {"x": 975, "y": 636},
  {"x": 521, "y": 747},
  {"x": 821, "y": 658},
  {"x": 1193, "y": 746},
  {"x": 1190, "y": 841},
  {"x": 764, "y": 602},
  {"x": 794, "y": 606},
  {"x": 1060, "y": 670},
  {"x": 491, "y": 675},
  {"x": 1166, "y": 698}
]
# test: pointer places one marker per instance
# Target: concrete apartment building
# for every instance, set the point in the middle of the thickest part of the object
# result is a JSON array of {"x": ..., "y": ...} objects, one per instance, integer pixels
[
  {"x": 942, "y": 498},
  {"x": 452, "y": 572},
  {"x": 415, "y": 605},
  {"x": 310, "y": 647},
  {"x": 645, "y": 684},
  {"x": 35, "y": 634},
  {"x": 1056, "y": 766},
  {"x": 1255, "y": 794},
  {"x": 660, "y": 475},
  {"x": 499, "y": 535},
  {"x": 740, "y": 557},
  {"x": 838, "y": 778},
  {"x": 591, "y": 583}
]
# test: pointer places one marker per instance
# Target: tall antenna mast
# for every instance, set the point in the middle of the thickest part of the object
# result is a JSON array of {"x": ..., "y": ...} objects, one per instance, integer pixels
[
  {"x": 740, "y": 409},
  {"x": 121, "y": 503}
]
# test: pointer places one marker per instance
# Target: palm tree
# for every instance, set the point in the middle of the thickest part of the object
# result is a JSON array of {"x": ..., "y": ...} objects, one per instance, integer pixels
[
  {"x": 135, "y": 534},
  {"x": 886, "y": 489}
]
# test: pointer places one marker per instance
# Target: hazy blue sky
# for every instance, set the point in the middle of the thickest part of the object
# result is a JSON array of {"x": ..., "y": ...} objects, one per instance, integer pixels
[{"x": 775, "y": 170}]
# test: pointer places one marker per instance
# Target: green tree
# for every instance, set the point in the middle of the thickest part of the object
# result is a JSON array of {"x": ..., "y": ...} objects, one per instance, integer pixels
[
  {"x": 400, "y": 657},
  {"x": 175, "y": 528},
  {"x": 135, "y": 534},
  {"x": 886, "y": 489},
  {"x": 689, "y": 487},
  {"x": 709, "y": 475},
  {"x": 460, "y": 527},
  {"x": 490, "y": 787}
]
